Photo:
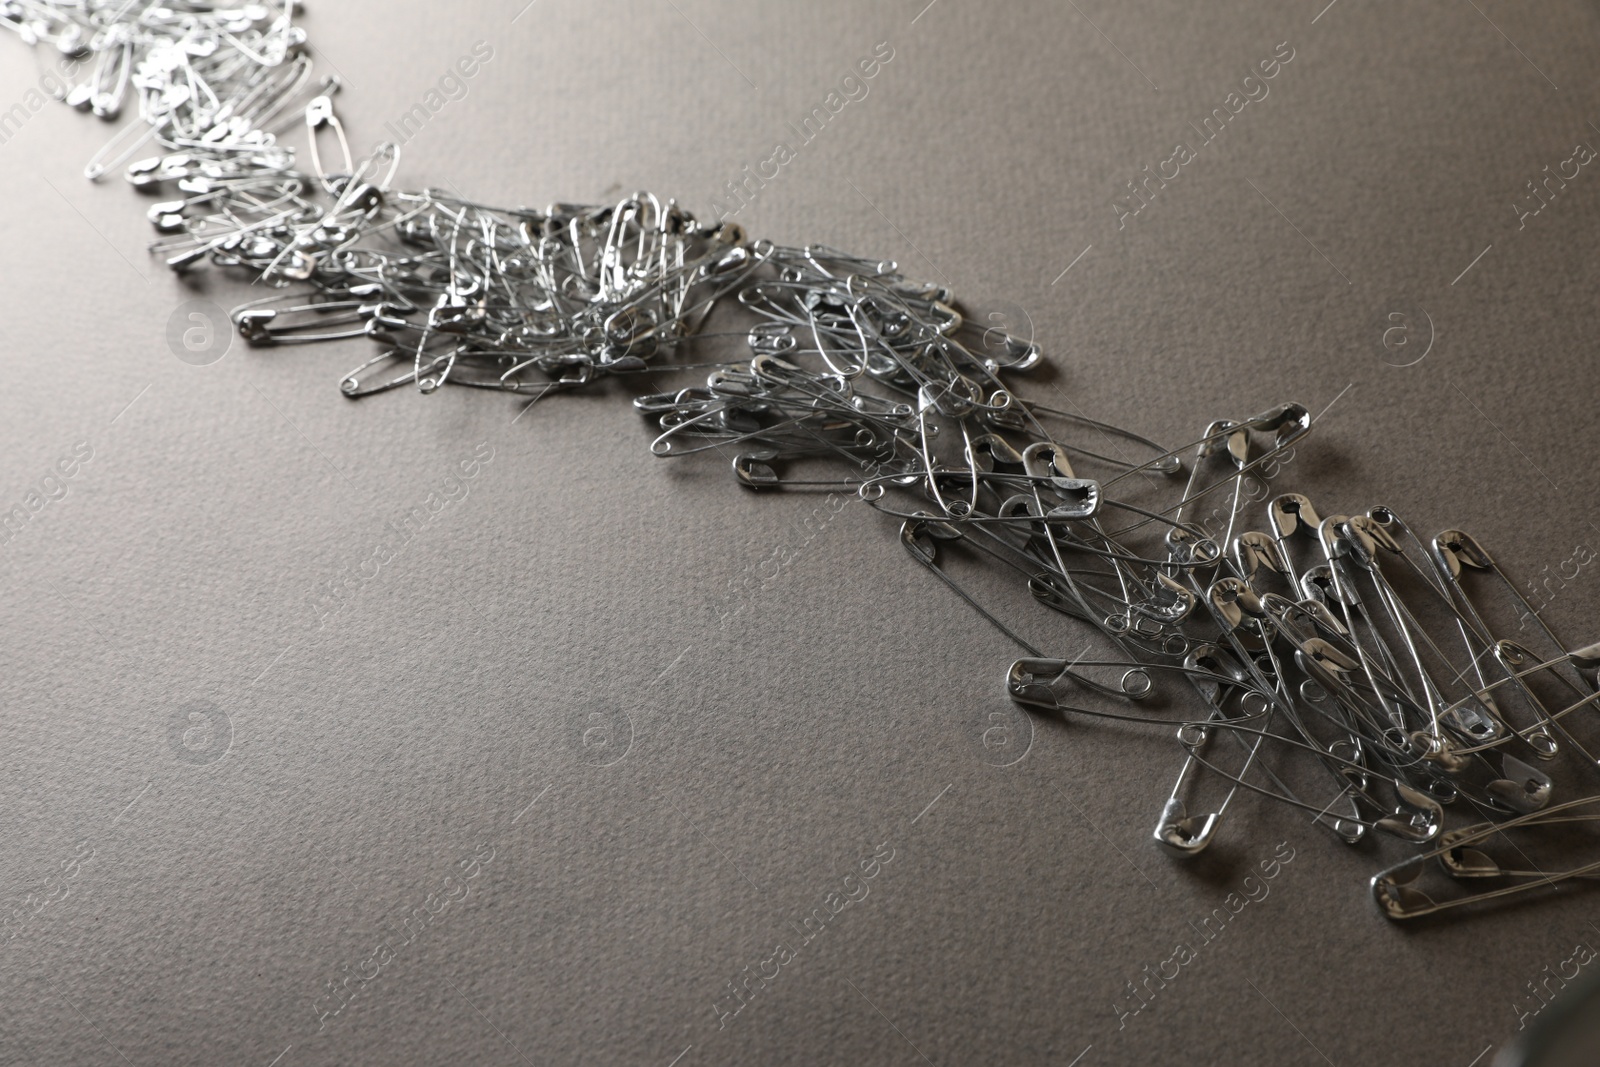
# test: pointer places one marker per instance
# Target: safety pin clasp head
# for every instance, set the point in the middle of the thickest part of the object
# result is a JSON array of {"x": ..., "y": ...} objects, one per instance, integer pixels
[
  {"x": 1319, "y": 585},
  {"x": 255, "y": 326},
  {"x": 1375, "y": 530},
  {"x": 1291, "y": 421},
  {"x": 1181, "y": 834},
  {"x": 1323, "y": 661},
  {"x": 1028, "y": 680},
  {"x": 1520, "y": 788},
  {"x": 1171, "y": 602},
  {"x": 1210, "y": 668},
  {"x": 753, "y": 471},
  {"x": 1219, "y": 434},
  {"x": 1081, "y": 496},
  {"x": 1402, "y": 899},
  {"x": 1414, "y": 827},
  {"x": 1234, "y": 601},
  {"x": 1462, "y": 862},
  {"x": 319, "y": 111},
  {"x": 1324, "y": 617},
  {"x": 1046, "y": 460},
  {"x": 1362, "y": 538},
  {"x": 1453, "y": 548},
  {"x": 918, "y": 541},
  {"x": 1254, "y": 550},
  {"x": 1418, "y": 817},
  {"x": 989, "y": 449},
  {"x": 1478, "y": 719},
  {"x": 1289, "y": 512},
  {"x": 1586, "y": 658}
]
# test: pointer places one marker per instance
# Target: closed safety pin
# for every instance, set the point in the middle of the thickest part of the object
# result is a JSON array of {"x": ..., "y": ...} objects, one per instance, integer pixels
[
  {"x": 1397, "y": 890},
  {"x": 320, "y": 115},
  {"x": 1178, "y": 832}
]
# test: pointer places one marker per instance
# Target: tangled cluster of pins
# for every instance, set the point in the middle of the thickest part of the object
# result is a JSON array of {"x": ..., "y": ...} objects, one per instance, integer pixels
[{"x": 1342, "y": 665}]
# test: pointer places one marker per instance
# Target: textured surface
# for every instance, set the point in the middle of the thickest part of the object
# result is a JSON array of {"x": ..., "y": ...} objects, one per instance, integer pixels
[{"x": 666, "y": 717}]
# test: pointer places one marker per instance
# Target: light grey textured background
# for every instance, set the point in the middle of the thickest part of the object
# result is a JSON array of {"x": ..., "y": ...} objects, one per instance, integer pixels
[{"x": 546, "y": 672}]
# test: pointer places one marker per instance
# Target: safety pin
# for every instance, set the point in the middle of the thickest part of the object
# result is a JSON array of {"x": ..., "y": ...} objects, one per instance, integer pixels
[
  {"x": 1166, "y": 462},
  {"x": 1334, "y": 537},
  {"x": 1433, "y": 576},
  {"x": 108, "y": 83},
  {"x": 1291, "y": 422},
  {"x": 354, "y": 387},
  {"x": 1402, "y": 898},
  {"x": 319, "y": 116},
  {"x": 1376, "y": 530},
  {"x": 1453, "y": 551},
  {"x": 1511, "y": 655},
  {"x": 1414, "y": 817},
  {"x": 265, "y": 326},
  {"x": 1179, "y": 833},
  {"x": 1477, "y": 720},
  {"x": 918, "y": 540},
  {"x": 115, "y": 152},
  {"x": 1514, "y": 787},
  {"x": 1582, "y": 658}
]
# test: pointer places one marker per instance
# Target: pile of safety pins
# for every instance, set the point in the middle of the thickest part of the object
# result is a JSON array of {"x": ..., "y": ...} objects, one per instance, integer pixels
[{"x": 1343, "y": 665}]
